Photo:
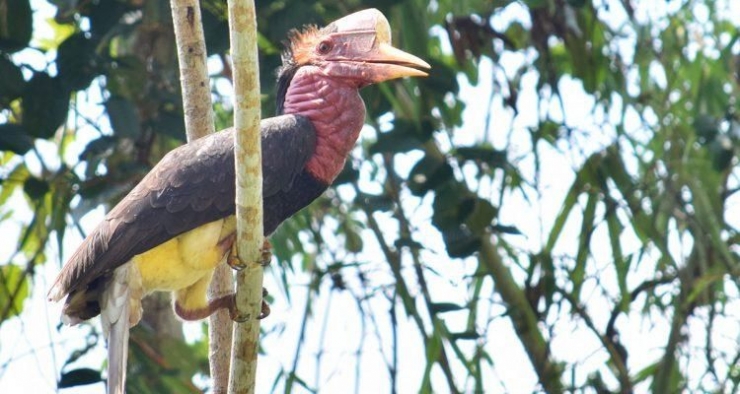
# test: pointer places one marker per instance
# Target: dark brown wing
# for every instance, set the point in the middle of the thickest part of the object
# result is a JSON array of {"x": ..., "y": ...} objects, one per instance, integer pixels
[{"x": 191, "y": 186}]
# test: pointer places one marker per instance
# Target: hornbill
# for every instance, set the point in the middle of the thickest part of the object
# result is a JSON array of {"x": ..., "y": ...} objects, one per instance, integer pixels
[{"x": 177, "y": 224}]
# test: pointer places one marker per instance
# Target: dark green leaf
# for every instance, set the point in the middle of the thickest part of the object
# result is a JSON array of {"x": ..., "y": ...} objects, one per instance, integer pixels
[
  {"x": 16, "y": 25},
  {"x": 170, "y": 123},
  {"x": 104, "y": 15},
  {"x": 79, "y": 377},
  {"x": 393, "y": 142},
  {"x": 706, "y": 128},
  {"x": 721, "y": 152},
  {"x": 349, "y": 174},
  {"x": 500, "y": 228},
  {"x": 406, "y": 242},
  {"x": 35, "y": 188},
  {"x": 442, "y": 79},
  {"x": 215, "y": 27},
  {"x": 45, "y": 105},
  {"x": 127, "y": 77},
  {"x": 451, "y": 206},
  {"x": 98, "y": 148},
  {"x": 480, "y": 217},
  {"x": 465, "y": 335},
  {"x": 14, "y": 138},
  {"x": 484, "y": 154},
  {"x": 381, "y": 202},
  {"x": 77, "y": 62},
  {"x": 442, "y": 307},
  {"x": 460, "y": 242},
  {"x": 11, "y": 83},
  {"x": 124, "y": 117},
  {"x": 428, "y": 174}
]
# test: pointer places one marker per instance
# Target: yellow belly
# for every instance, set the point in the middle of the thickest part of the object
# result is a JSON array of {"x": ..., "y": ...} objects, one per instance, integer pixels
[{"x": 185, "y": 263}]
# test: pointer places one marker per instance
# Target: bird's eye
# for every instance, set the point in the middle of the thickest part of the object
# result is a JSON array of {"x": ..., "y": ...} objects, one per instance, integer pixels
[{"x": 324, "y": 47}]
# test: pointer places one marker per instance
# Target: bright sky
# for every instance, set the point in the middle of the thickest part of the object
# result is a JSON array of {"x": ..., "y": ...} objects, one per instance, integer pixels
[{"x": 37, "y": 350}]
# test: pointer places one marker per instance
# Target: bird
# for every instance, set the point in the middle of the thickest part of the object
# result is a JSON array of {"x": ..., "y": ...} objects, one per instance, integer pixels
[{"x": 177, "y": 224}]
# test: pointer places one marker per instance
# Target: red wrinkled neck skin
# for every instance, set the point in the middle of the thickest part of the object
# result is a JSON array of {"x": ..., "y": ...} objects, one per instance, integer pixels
[{"x": 337, "y": 112}]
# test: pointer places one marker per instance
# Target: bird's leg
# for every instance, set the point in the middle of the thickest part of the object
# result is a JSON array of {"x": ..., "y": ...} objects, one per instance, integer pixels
[{"x": 201, "y": 313}]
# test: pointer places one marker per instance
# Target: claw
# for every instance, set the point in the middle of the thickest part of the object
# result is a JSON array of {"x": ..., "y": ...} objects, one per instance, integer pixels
[
  {"x": 233, "y": 260},
  {"x": 265, "y": 309},
  {"x": 241, "y": 318},
  {"x": 234, "y": 312},
  {"x": 266, "y": 256}
]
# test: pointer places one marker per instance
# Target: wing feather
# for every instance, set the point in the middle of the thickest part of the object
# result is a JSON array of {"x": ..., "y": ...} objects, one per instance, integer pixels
[{"x": 191, "y": 186}]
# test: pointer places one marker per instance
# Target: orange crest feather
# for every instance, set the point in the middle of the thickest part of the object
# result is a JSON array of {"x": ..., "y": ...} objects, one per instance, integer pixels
[{"x": 303, "y": 42}]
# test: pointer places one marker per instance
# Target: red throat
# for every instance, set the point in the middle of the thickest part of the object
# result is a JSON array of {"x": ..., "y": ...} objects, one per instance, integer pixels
[{"x": 337, "y": 112}]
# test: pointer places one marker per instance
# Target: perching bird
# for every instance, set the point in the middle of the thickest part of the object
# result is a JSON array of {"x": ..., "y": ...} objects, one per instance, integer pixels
[{"x": 177, "y": 224}]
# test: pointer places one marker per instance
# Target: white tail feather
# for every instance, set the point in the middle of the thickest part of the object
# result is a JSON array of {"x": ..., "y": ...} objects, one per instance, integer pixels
[{"x": 115, "y": 318}]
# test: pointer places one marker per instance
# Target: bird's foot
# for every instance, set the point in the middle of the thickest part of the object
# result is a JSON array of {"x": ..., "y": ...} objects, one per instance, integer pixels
[
  {"x": 243, "y": 317},
  {"x": 232, "y": 259}
]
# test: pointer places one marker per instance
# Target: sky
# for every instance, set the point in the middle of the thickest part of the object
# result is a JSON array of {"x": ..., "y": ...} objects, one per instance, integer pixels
[{"x": 37, "y": 349}]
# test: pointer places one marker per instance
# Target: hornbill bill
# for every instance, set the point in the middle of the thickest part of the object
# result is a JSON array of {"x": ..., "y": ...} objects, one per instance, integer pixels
[{"x": 177, "y": 224}]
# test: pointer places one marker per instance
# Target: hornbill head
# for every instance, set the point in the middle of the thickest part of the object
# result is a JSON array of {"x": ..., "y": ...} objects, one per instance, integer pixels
[{"x": 356, "y": 49}]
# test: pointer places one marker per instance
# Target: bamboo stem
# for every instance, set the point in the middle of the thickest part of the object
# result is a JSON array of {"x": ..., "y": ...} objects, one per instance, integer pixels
[
  {"x": 247, "y": 150},
  {"x": 198, "y": 112}
]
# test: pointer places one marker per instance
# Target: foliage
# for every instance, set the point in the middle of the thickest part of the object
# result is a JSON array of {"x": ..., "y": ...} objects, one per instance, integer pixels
[{"x": 589, "y": 192}]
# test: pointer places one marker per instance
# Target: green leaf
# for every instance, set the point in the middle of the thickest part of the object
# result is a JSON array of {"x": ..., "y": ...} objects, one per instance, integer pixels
[
  {"x": 480, "y": 217},
  {"x": 578, "y": 273},
  {"x": 13, "y": 290},
  {"x": 14, "y": 138},
  {"x": 17, "y": 177},
  {"x": 352, "y": 239},
  {"x": 584, "y": 176},
  {"x": 621, "y": 265},
  {"x": 16, "y": 25},
  {"x": 45, "y": 105},
  {"x": 79, "y": 377}
]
